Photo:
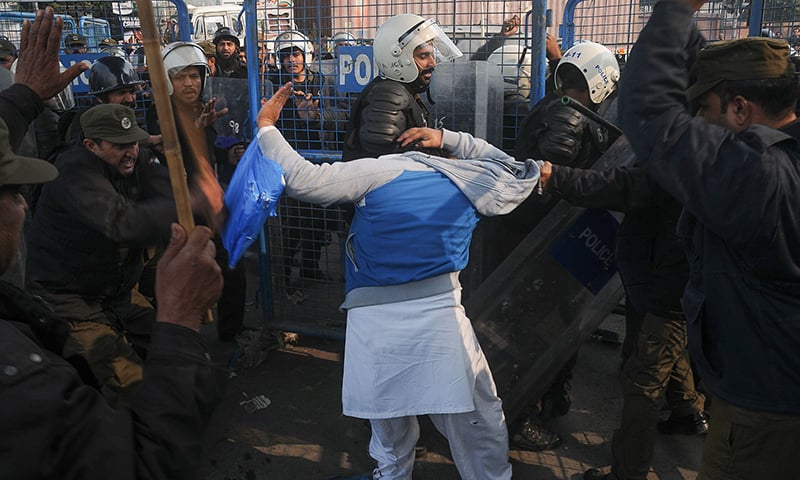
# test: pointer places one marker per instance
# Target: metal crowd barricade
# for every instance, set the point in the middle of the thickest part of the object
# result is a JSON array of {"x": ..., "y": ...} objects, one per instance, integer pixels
[
  {"x": 306, "y": 237},
  {"x": 301, "y": 251},
  {"x": 616, "y": 24}
]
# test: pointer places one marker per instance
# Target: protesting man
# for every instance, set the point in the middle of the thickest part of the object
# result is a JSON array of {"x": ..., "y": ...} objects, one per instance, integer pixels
[{"x": 410, "y": 349}]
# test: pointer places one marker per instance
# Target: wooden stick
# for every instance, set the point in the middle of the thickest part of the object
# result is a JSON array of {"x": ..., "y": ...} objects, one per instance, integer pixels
[{"x": 166, "y": 117}]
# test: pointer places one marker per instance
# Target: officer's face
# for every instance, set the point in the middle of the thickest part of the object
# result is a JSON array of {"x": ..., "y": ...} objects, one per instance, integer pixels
[
  {"x": 710, "y": 107},
  {"x": 124, "y": 96},
  {"x": 293, "y": 62},
  {"x": 12, "y": 217},
  {"x": 120, "y": 156},
  {"x": 425, "y": 59},
  {"x": 186, "y": 85},
  {"x": 71, "y": 50},
  {"x": 226, "y": 48}
]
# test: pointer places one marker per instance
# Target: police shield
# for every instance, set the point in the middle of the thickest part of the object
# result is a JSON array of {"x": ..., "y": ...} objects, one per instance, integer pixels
[
  {"x": 231, "y": 93},
  {"x": 547, "y": 296}
]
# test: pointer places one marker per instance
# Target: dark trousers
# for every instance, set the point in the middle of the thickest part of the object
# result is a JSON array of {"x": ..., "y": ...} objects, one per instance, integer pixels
[
  {"x": 746, "y": 444},
  {"x": 111, "y": 334},
  {"x": 658, "y": 369},
  {"x": 230, "y": 306}
]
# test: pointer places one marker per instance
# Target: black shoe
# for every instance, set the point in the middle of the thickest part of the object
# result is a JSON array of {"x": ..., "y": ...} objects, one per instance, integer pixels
[
  {"x": 694, "y": 424},
  {"x": 595, "y": 474},
  {"x": 535, "y": 437},
  {"x": 556, "y": 401}
]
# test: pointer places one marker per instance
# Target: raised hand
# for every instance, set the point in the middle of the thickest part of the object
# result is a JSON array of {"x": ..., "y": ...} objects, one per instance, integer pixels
[
  {"x": 271, "y": 109},
  {"x": 209, "y": 114},
  {"x": 38, "y": 66}
]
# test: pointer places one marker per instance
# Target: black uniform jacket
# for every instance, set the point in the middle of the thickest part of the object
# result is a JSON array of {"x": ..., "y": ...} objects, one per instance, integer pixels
[
  {"x": 91, "y": 225},
  {"x": 741, "y": 221}
]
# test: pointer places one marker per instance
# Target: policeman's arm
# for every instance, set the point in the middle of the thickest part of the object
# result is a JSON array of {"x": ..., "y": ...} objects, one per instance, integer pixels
[
  {"x": 699, "y": 163},
  {"x": 622, "y": 189},
  {"x": 84, "y": 189},
  {"x": 335, "y": 108}
]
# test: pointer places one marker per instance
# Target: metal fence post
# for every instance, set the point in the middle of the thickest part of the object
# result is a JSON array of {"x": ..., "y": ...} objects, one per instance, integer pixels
[{"x": 184, "y": 24}]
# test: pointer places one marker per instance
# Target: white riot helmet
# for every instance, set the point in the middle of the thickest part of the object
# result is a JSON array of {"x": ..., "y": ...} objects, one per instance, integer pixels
[
  {"x": 63, "y": 100},
  {"x": 597, "y": 65},
  {"x": 514, "y": 61},
  {"x": 295, "y": 39},
  {"x": 343, "y": 39},
  {"x": 180, "y": 55},
  {"x": 396, "y": 40}
]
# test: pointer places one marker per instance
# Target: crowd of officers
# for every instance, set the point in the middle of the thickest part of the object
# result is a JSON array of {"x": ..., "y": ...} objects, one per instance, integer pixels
[{"x": 101, "y": 306}]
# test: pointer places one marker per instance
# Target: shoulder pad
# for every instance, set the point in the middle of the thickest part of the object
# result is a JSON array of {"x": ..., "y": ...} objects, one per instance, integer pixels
[
  {"x": 389, "y": 96},
  {"x": 384, "y": 116}
]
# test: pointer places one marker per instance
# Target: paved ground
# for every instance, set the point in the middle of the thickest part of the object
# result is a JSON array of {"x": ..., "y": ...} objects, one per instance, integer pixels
[{"x": 282, "y": 420}]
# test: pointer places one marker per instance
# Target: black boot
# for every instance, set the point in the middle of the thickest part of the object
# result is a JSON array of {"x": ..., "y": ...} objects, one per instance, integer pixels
[
  {"x": 694, "y": 424},
  {"x": 532, "y": 435}
]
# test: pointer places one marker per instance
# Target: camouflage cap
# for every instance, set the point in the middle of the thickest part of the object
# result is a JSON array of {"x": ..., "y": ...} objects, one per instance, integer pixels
[
  {"x": 208, "y": 48},
  {"x": 752, "y": 58},
  {"x": 113, "y": 123},
  {"x": 7, "y": 48},
  {"x": 74, "y": 40},
  {"x": 19, "y": 170},
  {"x": 107, "y": 42}
]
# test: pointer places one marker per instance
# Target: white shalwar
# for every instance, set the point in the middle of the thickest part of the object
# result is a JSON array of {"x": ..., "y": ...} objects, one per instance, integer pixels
[{"x": 420, "y": 357}]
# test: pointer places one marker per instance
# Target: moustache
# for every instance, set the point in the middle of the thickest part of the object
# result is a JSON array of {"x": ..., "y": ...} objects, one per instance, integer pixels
[{"x": 427, "y": 70}]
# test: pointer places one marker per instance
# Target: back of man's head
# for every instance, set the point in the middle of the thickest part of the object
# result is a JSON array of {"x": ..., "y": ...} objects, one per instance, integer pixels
[{"x": 757, "y": 68}]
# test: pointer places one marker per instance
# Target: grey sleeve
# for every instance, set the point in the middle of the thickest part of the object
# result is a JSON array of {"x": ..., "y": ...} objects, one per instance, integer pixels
[{"x": 328, "y": 183}]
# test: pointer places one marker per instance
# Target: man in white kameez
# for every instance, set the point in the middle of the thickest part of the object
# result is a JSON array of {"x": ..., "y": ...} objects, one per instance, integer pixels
[{"x": 410, "y": 349}]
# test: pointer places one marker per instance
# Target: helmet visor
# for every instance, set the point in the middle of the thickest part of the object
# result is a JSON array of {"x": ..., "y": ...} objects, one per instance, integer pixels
[
  {"x": 430, "y": 32},
  {"x": 65, "y": 100}
]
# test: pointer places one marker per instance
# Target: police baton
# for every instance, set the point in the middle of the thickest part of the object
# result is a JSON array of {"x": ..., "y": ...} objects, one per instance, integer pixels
[{"x": 571, "y": 102}]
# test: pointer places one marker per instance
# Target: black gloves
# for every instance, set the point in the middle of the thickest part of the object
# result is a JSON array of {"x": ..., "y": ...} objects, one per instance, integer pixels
[
  {"x": 560, "y": 134},
  {"x": 556, "y": 133}
]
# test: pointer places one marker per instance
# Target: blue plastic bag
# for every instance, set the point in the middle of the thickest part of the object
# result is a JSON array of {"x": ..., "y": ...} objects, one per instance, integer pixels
[{"x": 252, "y": 196}]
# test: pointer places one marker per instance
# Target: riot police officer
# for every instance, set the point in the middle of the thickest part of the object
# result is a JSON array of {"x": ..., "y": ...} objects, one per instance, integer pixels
[
  {"x": 563, "y": 135},
  {"x": 391, "y": 103},
  {"x": 112, "y": 79}
]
